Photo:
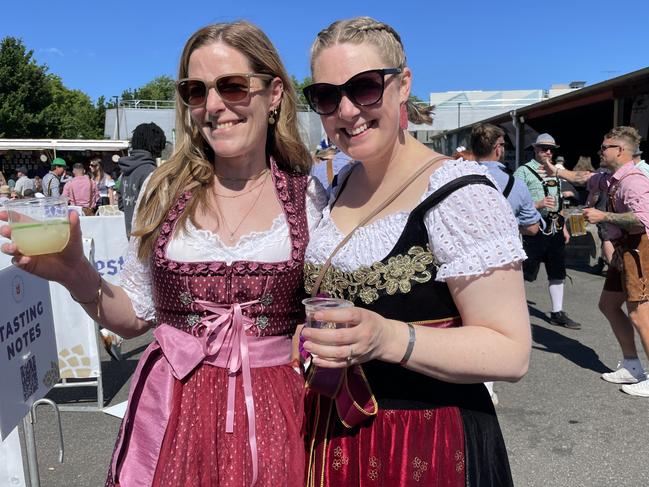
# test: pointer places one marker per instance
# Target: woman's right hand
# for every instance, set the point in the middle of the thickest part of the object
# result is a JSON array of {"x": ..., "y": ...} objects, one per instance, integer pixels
[{"x": 60, "y": 267}]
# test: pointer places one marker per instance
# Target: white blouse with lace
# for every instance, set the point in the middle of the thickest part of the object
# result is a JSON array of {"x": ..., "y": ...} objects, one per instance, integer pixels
[
  {"x": 469, "y": 232},
  {"x": 197, "y": 245}
]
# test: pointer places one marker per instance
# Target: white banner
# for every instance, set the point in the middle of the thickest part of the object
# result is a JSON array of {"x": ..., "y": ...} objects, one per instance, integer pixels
[
  {"x": 11, "y": 461},
  {"x": 75, "y": 331},
  {"x": 111, "y": 244},
  {"x": 28, "y": 356},
  {"x": 76, "y": 340}
]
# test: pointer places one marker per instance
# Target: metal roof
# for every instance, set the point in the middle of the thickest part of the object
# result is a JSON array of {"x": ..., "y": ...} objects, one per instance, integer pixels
[
  {"x": 605, "y": 90},
  {"x": 63, "y": 145}
]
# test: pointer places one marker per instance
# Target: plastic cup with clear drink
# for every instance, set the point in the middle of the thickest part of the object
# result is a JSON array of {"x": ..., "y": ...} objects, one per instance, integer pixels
[
  {"x": 576, "y": 222},
  {"x": 312, "y": 305},
  {"x": 39, "y": 225}
]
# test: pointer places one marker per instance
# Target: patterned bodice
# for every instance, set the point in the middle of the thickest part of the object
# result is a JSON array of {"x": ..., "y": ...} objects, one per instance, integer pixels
[
  {"x": 277, "y": 286},
  {"x": 401, "y": 286}
]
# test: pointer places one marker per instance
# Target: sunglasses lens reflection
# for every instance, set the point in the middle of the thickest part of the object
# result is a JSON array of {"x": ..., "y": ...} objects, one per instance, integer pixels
[
  {"x": 192, "y": 92},
  {"x": 366, "y": 88},
  {"x": 233, "y": 88},
  {"x": 323, "y": 98}
]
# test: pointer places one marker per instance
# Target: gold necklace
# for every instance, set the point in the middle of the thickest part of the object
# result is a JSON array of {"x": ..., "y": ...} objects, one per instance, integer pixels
[
  {"x": 253, "y": 178},
  {"x": 227, "y": 227},
  {"x": 241, "y": 194}
]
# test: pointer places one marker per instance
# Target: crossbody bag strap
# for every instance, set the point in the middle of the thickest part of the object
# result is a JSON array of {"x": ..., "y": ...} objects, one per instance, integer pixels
[
  {"x": 510, "y": 185},
  {"x": 372, "y": 214}
]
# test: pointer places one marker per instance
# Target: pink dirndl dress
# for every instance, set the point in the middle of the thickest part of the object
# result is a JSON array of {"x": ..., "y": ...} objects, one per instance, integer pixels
[{"x": 214, "y": 400}]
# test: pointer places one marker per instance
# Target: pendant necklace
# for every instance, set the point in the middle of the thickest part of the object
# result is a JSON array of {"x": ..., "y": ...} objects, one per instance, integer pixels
[{"x": 254, "y": 203}]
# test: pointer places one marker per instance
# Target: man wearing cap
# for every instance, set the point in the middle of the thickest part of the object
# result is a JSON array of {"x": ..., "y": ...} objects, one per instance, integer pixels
[
  {"x": 52, "y": 180},
  {"x": 23, "y": 181},
  {"x": 549, "y": 245}
]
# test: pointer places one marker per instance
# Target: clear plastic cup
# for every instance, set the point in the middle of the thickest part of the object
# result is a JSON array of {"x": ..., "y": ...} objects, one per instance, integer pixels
[
  {"x": 39, "y": 225},
  {"x": 312, "y": 305}
]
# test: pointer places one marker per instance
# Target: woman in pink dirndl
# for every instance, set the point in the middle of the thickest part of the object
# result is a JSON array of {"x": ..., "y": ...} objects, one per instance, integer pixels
[{"x": 215, "y": 263}]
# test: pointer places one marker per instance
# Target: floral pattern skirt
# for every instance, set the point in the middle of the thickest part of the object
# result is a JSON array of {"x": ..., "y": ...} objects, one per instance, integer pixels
[{"x": 403, "y": 447}]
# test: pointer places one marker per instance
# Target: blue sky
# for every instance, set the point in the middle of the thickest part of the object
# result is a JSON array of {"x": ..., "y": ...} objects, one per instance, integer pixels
[{"x": 103, "y": 48}]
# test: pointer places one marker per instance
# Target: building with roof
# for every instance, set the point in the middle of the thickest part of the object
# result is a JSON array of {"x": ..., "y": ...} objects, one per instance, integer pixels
[{"x": 577, "y": 119}]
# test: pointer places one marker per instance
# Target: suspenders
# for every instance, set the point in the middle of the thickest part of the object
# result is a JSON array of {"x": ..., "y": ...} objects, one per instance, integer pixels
[{"x": 554, "y": 220}]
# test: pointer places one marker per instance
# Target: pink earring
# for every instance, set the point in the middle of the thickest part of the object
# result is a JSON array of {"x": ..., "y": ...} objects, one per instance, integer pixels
[{"x": 403, "y": 117}]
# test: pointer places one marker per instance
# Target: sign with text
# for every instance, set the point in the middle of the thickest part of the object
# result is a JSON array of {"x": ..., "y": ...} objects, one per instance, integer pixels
[
  {"x": 28, "y": 356},
  {"x": 111, "y": 244}
]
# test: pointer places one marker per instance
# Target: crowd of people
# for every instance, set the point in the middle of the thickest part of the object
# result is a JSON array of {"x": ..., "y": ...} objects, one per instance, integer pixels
[
  {"x": 88, "y": 187},
  {"x": 233, "y": 231}
]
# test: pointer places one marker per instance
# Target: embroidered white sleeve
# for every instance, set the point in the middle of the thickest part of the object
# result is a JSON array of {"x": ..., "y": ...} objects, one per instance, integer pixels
[
  {"x": 135, "y": 277},
  {"x": 473, "y": 229}
]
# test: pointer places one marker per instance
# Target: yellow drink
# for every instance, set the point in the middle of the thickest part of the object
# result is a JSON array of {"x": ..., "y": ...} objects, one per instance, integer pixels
[{"x": 37, "y": 238}]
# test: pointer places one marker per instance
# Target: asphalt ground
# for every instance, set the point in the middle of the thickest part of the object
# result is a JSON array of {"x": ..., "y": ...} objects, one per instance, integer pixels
[{"x": 563, "y": 425}]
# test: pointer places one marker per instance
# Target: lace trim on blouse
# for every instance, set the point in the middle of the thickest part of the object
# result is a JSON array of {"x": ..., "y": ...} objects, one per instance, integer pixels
[
  {"x": 203, "y": 245},
  {"x": 471, "y": 231}
]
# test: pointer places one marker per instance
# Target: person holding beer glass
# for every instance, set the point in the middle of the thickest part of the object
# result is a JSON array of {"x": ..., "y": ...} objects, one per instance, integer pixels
[
  {"x": 627, "y": 225},
  {"x": 216, "y": 260},
  {"x": 434, "y": 272}
]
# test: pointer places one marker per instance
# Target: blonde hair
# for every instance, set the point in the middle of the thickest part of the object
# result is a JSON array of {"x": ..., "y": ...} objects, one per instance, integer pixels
[
  {"x": 626, "y": 134},
  {"x": 190, "y": 167},
  {"x": 360, "y": 30}
]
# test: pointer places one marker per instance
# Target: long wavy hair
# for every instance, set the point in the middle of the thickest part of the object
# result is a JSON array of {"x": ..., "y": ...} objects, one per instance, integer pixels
[
  {"x": 191, "y": 167},
  {"x": 359, "y": 30}
]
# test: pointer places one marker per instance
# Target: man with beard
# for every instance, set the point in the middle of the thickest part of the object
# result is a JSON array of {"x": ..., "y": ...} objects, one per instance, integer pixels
[
  {"x": 627, "y": 218},
  {"x": 547, "y": 246},
  {"x": 488, "y": 147}
]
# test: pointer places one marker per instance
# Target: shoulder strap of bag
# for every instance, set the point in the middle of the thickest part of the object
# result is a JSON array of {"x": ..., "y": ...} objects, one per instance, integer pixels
[
  {"x": 372, "y": 214},
  {"x": 510, "y": 185}
]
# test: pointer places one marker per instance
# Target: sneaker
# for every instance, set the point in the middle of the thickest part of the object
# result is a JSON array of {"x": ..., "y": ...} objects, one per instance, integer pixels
[
  {"x": 640, "y": 389},
  {"x": 112, "y": 345},
  {"x": 624, "y": 375},
  {"x": 560, "y": 318}
]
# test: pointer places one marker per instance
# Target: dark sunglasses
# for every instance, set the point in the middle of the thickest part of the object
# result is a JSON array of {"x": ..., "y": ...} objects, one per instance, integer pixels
[
  {"x": 232, "y": 88},
  {"x": 545, "y": 148},
  {"x": 363, "y": 89},
  {"x": 604, "y": 147}
]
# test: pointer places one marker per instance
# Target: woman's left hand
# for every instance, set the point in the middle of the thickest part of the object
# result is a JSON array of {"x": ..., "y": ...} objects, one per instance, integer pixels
[{"x": 362, "y": 340}]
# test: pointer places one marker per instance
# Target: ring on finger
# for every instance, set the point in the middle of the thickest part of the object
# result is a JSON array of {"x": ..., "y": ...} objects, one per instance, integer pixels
[{"x": 350, "y": 357}]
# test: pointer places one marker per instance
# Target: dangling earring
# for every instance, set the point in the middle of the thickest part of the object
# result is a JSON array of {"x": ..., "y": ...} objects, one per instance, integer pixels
[
  {"x": 272, "y": 116},
  {"x": 403, "y": 117}
]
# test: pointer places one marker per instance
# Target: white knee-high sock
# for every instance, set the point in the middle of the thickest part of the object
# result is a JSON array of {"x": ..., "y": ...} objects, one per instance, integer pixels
[{"x": 556, "y": 295}]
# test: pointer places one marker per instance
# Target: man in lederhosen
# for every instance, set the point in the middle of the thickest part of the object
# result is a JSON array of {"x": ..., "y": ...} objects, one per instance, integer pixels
[
  {"x": 627, "y": 279},
  {"x": 548, "y": 245}
]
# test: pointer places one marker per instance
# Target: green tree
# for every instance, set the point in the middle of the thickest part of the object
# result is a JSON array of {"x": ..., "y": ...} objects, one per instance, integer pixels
[
  {"x": 416, "y": 100},
  {"x": 71, "y": 114},
  {"x": 159, "y": 88},
  {"x": 299, "y": 86},
  {"x": 24, "y": 92}
]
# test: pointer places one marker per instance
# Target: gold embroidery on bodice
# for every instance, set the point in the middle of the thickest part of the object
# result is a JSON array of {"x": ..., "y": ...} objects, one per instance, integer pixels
[{"x": 395, "y": 275}]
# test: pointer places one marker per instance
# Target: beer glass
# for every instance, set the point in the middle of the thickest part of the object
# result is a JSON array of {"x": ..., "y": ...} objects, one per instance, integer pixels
[
  {"x": 39, "y": 225},
  {"x": 576, "y": 222}
]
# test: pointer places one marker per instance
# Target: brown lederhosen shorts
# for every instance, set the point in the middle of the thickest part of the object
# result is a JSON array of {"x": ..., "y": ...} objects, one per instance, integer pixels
[{"x": 632, "y": 279}]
